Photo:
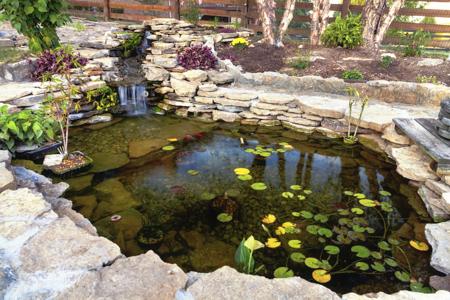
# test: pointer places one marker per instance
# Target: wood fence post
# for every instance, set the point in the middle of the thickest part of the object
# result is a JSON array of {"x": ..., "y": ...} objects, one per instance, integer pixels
[
  {"x": 106, "y": 10},
  {"x": 177, "y": 10},
  {"x": 345, "y": 8}
]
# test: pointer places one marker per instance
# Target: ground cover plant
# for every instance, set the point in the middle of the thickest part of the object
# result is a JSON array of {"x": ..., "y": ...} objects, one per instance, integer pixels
[{"x": 197, "y": 57}]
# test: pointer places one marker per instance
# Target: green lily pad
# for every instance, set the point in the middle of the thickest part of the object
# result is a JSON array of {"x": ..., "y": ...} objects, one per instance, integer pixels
[
  {"x": 250, "y": 150},
  {"x": 295, "y": 187},
  {"x": 168, "y": 148},
  {"x": 359, "y": 196},
  {"x": 265, "y": 154},
  {"x": 332, "y": 250},
  {"x": 313, "y": 229},
  {"x": 306, "y": 214},
  {"x": 386, "y": 206},
  {"x": 357, "y": 228},
  {"x": 283, "y": 272},
  {"x": 362, "y": 266},
  {"x": 402, "y": 276},
  {"x": 357, "y": 210},
  {"x": 385, "y": 193},
  {"x": 377, "y": 266},
  {"x": 325, "y": 232},
  {"x": 307, "y": 192},
  {"x": 296, "y": 244},
  {"x": 288, "y": 195},
  {"x": 367, "y": 203},
  {"x": 390, "y": 262},
  {"x": 301, "y": 197},
  {"x": 312, "y": 262},
  {"x": 207, "y": 196},
  {"x": 297, "y": 257},
  {"x": 295, "y": 214},
  {"x": 383, "y": 245},
  {"x": 224, "y": 217},
  {"x": 361, "y": 251},
  {"x": 420, "y": 288},
  {"x": 321, "y": 218},
  {"x": 259, "y": 186},
  {"x": 343, "y": 212},
  {"x": 376, "y": 254},
  {"x": 348, "y": 193},
  {"x": 245, "y": 177},
  {"x": 393, "y": 241},
  {"x": 193, "y": 172}
]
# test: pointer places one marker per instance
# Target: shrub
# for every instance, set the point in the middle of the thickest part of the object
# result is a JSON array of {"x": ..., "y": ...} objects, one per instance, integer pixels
[
  {"x": 240, "y": 43},
  {"x": 415, "y": 42},
  {"x": 192, "y": 12},
  {"x": 37, "y": 20},
  {"x": 346, "y": 33},
  {"x": 52, "y": 62},
  {"x": 301, "y": 63},
  {"x": 197, "y": 57},
  {"x": 386, "y": 61},
  {"x": 32, "y": 127},
  {"x": 352, "y": 74}
]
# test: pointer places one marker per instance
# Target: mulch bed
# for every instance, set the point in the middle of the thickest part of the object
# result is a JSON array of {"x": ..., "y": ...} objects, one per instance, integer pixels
[{"x": 265, "y": 58}]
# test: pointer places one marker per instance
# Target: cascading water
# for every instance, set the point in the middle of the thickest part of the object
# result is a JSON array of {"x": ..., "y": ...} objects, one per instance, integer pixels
[{"x": 133, "y": 99}]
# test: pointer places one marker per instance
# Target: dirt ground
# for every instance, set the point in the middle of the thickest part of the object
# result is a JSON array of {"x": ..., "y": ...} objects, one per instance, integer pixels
[{"x": 332, "y": 62}]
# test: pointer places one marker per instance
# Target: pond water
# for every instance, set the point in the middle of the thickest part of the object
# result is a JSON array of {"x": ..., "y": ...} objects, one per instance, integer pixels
[{"x": 170, "y": 200}]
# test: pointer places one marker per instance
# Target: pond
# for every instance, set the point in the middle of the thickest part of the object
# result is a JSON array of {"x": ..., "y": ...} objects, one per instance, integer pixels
[{"x": 193, "y": 191}]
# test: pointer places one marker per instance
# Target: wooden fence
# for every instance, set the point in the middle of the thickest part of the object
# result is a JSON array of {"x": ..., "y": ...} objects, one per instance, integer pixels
[{"x": 245, "y": 11}]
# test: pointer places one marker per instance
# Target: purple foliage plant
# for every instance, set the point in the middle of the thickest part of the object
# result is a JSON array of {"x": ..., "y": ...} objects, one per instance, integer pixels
[{"x": 197, "y": 57}]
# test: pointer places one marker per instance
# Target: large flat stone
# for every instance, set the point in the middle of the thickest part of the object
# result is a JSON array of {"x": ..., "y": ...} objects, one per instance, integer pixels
[
  {"x": 184, "y": 88},
  {"x": 402, "y": 295},
  {"x": 413, "y": 164},
  {"x": 276, "y": 98},
  {"x": 227, "y": 283},
  {"x": 326, "y": 107},
  {"x": 438, "y": 235}
]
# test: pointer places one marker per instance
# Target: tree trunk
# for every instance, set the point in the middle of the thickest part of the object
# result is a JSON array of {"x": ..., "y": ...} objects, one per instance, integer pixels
[
  {"x": 267, "y": 16},
  {"x": 285, "y": 21},
  {"x": 376, "y": 23},
  {"x": 319, "y": 20}
]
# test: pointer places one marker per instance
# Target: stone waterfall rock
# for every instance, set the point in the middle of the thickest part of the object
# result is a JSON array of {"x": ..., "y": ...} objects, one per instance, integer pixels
[
  {"x": 438, "y": 235},
  {"x": 227, "y": 283}
]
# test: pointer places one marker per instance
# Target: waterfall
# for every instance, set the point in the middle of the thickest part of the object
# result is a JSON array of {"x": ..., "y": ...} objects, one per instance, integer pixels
[
  {"x": 133, "y": 99},
  {"x": 142, "y": 49}
]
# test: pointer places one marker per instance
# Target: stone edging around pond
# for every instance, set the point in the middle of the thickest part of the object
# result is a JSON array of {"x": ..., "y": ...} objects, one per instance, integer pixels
[{"x": 48, "y": 250}]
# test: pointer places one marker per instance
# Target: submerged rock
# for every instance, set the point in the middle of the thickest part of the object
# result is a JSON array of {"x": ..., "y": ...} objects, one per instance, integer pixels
[
  {"x": 138, "y": 148},
  {"x": 130, "y": 223},
  {"x": 108, "y": 161},
  {"x": 80, "y": 183}
]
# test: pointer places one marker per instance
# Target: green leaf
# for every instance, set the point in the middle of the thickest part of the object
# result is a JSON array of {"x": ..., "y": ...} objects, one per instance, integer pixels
[
  {"x": 357, "y": 210},
  {"x": 283, "y": 272},
  {"x": 362, "y": 266},
  {"x": 312, "y": 262},
  {"x": 297, "y": 257},
  {"x": 377, "y": 266},
  {"x": 168, "y": 148},
  {"x": 393, "y": 241},
  {"x": 325, "y": 232},
  {"x": 259, "y": 186},
  {"x": 321, "y": 218},
  {"x": 306, "y": 214},
  {"x": 383, "y": 245},
  {"x": 361, "y": 251},
  {"x": 402, "y": 276},
  {"x": 384, "y": 193},
  {"x": 296, "y": 244},
  {"x": 243, "y": 259},
  {"x": 348, "y": 193},
  {"x": 367, "y": 203},
  {"x": 193, "y": 172},
  {"x": 332, "y": 250},
  {"x": 245, "y": 177},
  {"x": 359, "y": 196},
  {"x": 29, "y": 10},
  {"x": 224, "y": 217},
  {"x": 376, "y": 254},
  {"x": 296, "y": 187},
  {"x": 287, "y": 195},
  {"x": 13, "y": 127},
  {"x": 419, "y": 288},
  {"x": 390, "y": 262},
  {"x": 313, "y": 229}
]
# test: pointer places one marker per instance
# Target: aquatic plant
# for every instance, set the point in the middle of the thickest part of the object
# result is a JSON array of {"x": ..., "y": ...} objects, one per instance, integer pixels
[
  {"x": 244, "y": 255},
  {"x": 197, "y": 57},
  {"x": 354, "y": 98},
  {"x": 104, "y": 98}
]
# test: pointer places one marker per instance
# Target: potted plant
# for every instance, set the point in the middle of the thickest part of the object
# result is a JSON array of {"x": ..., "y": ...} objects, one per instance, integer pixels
[
  {"x": 59, "y": 103},
  {"x": 354, "y": 98}
]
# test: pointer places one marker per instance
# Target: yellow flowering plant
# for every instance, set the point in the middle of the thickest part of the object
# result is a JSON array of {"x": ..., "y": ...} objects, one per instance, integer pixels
[{"x": 240, "y": 43}]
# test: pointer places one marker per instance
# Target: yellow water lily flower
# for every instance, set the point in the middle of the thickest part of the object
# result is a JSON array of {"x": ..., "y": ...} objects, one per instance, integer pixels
[
  {"x": 273, "y": 243},
  {"x": 288, "y": 225},
  {"x": 321, "y": 276},
  {"x": 280, "y": 230},
  {"x": 269, "y": 219},
  {"x": 420, "y": 246},
  {"x": 241, "y": 171},
  {"x": 172, "y": 139}
]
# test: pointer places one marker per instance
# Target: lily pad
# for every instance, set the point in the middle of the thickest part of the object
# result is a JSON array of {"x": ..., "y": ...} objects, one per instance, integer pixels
[
  {"x": 259, "y": 186},
  {"x": 312, "y": 262},
  {"x": 321, "y": 218},
  {"x": 402, "y": 276},
  {"x": 383, "y": 245},
  {"x": 321, "y": 276},
  {"x": 376, "y": 255},
  {"x": 348, "y": 193},
  {"x": 390, "y": 262},
  {"x": 377, "y": 266},
  {"x": 362, "y": 266},
  {"x": 384, "y": 193},
  {"x": 295, "y": 214},
  {"x": 307, "y": 192},
  {"x": 297, "y": 257},
  {"x": 245, "y": 177},
  {"x": 283, "y": 272},
  {"x": 193, "y": 172},
  {"x": 241, "y": 171},
  {"x": 357, "y": 211},
  {"x": 367, "y": 203},
  {"x": 296, "y": 244},
  {"x": 301, "y": 197},
  {"x": 419, "y": 246},
  {"x": 224, "y": 217},
  {"x": 419, "y": 288},
  {"x": 332, "y": 249},
  {"x": 306, "y": 214},
  {"x": 313, "y": 229},
  {"x": 168, "y": 148},
  {"x": 288, "y": 195},
  {"x": 207, "y": 196},
  {"x": 361, "y": 251},
  {"x": 325, "y": 232},
  {"x": 359, "y": 196},
  {"x": 296, "y": 187}
]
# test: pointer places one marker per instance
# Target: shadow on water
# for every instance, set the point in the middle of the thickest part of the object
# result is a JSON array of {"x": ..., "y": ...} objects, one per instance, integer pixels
[{"x": 169, "y": 200}]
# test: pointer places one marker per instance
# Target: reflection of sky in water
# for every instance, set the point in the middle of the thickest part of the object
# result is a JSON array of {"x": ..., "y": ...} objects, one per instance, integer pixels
[{"x": 217, "y": 156}]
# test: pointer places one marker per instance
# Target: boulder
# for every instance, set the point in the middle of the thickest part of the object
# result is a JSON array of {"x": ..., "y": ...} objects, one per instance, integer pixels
[
  {"x": 196, "y": 75},
  {"x": 391, "y": 135},
  {"x": 439, "y": 238},
  {"x": 430, "y": 62},
  {"x": 220, "y": 77},
  {"x": 435, "y": 204},
  {"x": 104, "y": 161},
  {"x": 7, "y": 180},
  {"x": 227, "y": 283},
  {"x": 413, "y": 164},
  {"x": 155, "y": 73},
  {"x": 225, "y": 116},
  {"x": 184, "y": 88}
]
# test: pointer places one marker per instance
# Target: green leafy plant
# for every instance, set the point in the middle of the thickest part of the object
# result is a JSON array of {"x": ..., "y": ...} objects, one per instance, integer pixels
[
  {"x": 78, "y": 26},
  {"x": 37, "y": 20},
  {"x": 104, "y": 98},
  {"x": 302, "y": 62},
  {"x": 415, "y": 42},
  {"x": 129, "y": 45},
  {"x": 192, "y": 12},
  {"x": 386, "y": 61},
  {"x": 352, "y": 75},
  {"x": 243, "y": 257},
  {"x": 428, "y": 79},
  {"x": 354, "y": 98},
  {"x": 344, "y": 32},
  {"x": 30, "y": 127}
]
